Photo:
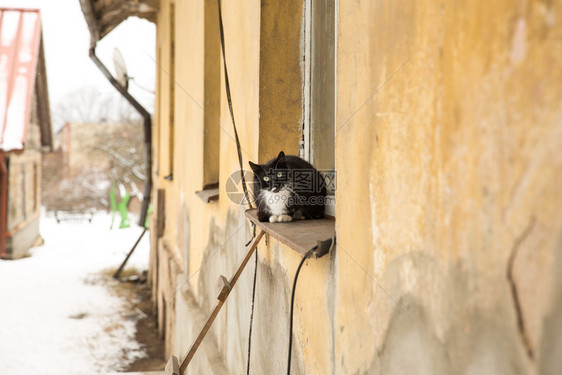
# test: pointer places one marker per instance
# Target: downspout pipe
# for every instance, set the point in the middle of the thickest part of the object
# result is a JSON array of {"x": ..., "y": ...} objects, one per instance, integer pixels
[
  {"x": 147, "y": 120},
  {"x": 3, "y": 204}
]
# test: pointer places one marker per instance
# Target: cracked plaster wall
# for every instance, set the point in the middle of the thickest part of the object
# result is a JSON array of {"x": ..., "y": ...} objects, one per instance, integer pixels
[
  {"x": 449, "y": 197},
  {"x": 456, "y": 188}
]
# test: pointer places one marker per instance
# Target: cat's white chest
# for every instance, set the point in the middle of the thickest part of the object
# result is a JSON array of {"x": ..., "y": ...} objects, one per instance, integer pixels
[{"x": 277, "y": 202}]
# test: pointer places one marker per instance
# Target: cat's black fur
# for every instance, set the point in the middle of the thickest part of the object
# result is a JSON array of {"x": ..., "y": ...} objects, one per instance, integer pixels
[{"x": 279, "y": 186}]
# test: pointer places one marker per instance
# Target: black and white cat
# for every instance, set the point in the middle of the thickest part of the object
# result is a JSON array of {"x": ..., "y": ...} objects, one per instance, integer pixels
[{"x": 288, "y": 188}]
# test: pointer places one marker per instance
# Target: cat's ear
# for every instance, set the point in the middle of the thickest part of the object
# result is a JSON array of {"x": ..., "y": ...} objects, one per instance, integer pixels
[
  {"x": 281, "y": 161},
  {"x": 255, "y": 167}
]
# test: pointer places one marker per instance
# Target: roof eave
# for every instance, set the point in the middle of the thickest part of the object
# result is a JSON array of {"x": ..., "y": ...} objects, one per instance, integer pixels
[
  {"x": 103, "y": 16},
  {"x": 88, "y": 12}
]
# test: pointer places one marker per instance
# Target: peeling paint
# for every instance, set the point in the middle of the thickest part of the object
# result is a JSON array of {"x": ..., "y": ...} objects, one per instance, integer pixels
[{"x": 519, "y": 43}]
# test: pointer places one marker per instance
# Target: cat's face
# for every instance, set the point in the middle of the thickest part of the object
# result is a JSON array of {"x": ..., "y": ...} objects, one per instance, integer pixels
[{"x": 271, "y": 176}]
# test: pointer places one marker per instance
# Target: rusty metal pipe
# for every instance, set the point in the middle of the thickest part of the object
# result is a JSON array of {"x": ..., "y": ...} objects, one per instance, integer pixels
[{"x": 147, "y": 131}]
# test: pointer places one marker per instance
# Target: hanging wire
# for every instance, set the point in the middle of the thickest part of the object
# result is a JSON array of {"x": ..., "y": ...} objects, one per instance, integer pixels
[
  {"x": 252, "y": 314},
  {"x": 304, "y": 258},
  {"x": 244, "y": 187}
]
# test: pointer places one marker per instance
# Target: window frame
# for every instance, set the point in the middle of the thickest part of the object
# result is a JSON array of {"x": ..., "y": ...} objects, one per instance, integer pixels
[{"x": 313, "y": 10}]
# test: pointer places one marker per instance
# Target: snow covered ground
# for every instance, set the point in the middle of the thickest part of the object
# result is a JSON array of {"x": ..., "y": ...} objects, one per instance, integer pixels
[{"x": 57, "y": 313}]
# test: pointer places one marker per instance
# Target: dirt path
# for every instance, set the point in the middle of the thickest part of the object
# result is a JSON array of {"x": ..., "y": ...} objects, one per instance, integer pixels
[{"x": 134, "y": 289}]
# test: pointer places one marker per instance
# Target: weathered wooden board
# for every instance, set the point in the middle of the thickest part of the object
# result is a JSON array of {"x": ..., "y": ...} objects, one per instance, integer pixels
[{"x": 300, "y": 235}]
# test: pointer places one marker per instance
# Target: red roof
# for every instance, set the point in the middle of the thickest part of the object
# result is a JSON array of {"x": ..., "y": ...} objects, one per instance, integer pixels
[{"x": 20, "y": 38}]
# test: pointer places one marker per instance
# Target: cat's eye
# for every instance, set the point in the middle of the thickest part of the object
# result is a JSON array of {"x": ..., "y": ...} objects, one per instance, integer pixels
[
  {"x": 266, "y": 178},
  {"x": 279, "y": 174}
]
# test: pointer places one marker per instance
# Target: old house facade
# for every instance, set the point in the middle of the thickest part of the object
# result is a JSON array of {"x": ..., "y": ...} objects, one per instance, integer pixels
[
  {"x": 89, "y": 160},
  {"x": 25, "y": 129},
  {"x": 443, "y": 123}
]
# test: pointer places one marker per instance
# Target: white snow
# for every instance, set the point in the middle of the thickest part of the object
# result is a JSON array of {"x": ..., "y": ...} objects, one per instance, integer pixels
[{"x": 42, "y": 298}]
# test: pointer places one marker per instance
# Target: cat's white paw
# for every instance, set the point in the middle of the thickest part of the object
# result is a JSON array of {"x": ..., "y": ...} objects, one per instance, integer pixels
[
  {"x": 273, "y": 219},
  {"x": 284, "y": 218}
]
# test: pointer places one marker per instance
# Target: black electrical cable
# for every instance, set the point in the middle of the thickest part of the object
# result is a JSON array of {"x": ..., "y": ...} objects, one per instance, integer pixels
[
  {"x": 229, "y": 100},
  {"x": 244, "y": 187},
  {"x": 252, "y": 315},
  {"x": 305, "y": 257}
]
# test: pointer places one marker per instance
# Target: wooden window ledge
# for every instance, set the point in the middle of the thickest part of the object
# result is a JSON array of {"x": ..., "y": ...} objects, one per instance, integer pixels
[
  {"x": 300, "y": 235},
  {"x": 209, "y": 194}
]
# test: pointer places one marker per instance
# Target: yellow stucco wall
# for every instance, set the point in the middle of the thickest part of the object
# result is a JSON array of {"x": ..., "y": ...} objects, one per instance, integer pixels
[
  {"x": 212, "y": 235},
  {"x": 449, "y": 190},
  {"x": 455, "y": 168}
]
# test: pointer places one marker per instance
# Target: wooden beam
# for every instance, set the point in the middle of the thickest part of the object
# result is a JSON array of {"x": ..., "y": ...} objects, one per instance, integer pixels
[
  {"x": 172, "y": 367},
  {"x": 160, "y": 212},
  {"x": 43, "y": 107},
  {"x": 109, "y": 20},
  {"x": 102, "y": 7},
  {"x": 227, "y": 287},
  {"x": 299, "y": 235}
]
